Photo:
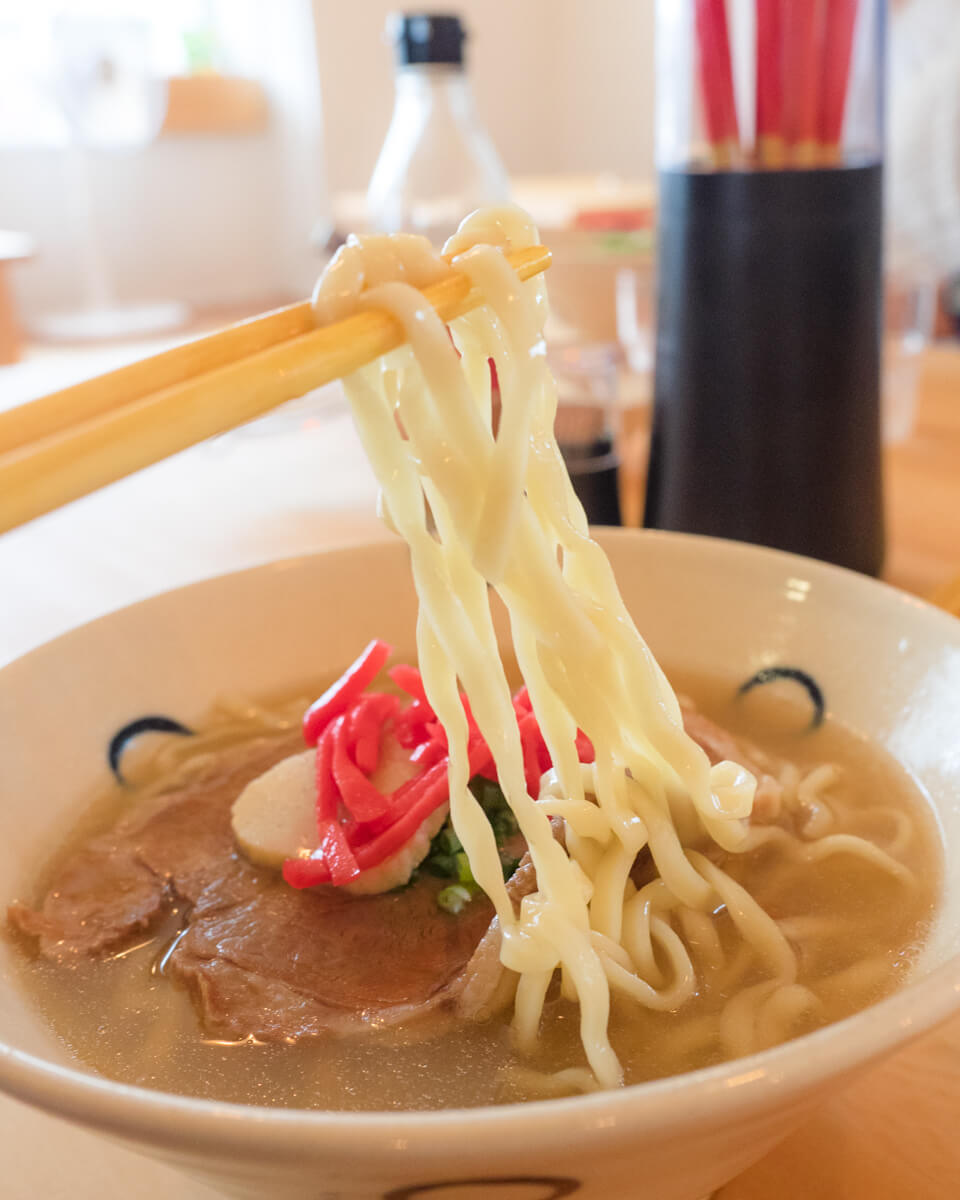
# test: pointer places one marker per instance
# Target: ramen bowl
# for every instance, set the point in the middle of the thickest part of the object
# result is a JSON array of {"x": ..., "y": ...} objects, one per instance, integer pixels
[{"x": 888, "y": 665}]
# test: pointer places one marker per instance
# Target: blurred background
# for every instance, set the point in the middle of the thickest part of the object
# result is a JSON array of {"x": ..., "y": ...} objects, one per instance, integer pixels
[
  {"x": 272, "y": 117},
  {"x": 166, "y": 168}
]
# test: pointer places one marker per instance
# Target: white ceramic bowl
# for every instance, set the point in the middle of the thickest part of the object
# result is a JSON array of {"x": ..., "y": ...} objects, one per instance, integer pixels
[{"x": 889, "y": 666}]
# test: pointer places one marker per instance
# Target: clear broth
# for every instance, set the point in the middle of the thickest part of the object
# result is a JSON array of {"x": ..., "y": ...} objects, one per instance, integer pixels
[{"x": 124, "y": 1019}]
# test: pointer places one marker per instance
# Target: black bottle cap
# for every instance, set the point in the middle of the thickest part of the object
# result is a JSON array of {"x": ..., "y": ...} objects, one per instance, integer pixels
[{"x": 427, "y": 38}]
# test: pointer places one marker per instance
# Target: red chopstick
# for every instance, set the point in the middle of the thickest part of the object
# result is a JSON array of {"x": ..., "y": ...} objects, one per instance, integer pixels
[
  {"x": 716, "y": 79},
  {"x": 770, "y": 83},
  {"x": 840, "y": 23},
  {"x": 802, "y": 31}
]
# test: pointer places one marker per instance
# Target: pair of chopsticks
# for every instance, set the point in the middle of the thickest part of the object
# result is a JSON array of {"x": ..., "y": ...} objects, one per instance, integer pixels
[
  {"x": 803, "y": 55},
  {"x": 65, "y": 445}
]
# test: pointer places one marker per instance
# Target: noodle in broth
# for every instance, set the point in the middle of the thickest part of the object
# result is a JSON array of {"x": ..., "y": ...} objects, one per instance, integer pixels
[{"x": 853, "y": 930}]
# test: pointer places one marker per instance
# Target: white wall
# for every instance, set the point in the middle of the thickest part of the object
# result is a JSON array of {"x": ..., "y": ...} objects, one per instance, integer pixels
[
  {"x": 603, "y": 78},
  {"x": 211, "y": 220},
  {"x": 562, "y": 85},
  {"x": 190, "y": 218}
]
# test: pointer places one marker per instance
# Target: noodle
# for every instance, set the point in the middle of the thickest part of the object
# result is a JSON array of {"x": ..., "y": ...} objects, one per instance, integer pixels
[{"x": 480, "y": 510}]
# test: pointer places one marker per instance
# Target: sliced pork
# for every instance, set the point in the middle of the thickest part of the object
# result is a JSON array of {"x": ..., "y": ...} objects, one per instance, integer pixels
[
  {"x": 264, "y": 960},
  {"x": 260, "y": 958}
]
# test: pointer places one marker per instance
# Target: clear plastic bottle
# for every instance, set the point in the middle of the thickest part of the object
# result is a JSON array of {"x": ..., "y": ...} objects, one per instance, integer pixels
[{"x": 437, "y": 162}]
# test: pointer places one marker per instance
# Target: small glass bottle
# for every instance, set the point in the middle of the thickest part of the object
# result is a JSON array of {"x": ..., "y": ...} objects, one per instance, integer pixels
[{"x": 437, "y": 163}]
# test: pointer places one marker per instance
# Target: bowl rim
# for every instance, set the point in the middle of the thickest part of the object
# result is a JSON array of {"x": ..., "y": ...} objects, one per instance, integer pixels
[{"x": 726, "y": 1089}]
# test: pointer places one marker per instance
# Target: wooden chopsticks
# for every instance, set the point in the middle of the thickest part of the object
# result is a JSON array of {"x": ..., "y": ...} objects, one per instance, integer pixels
[
  {"x": 72, "y": 442},
  {"x": 769, "y": 36},
  {"x": 840, "y": 24},
  {"x": 54, "y": 413},
  {"x": 803, "y": 51},
  {"x": 716, "y": 77}
]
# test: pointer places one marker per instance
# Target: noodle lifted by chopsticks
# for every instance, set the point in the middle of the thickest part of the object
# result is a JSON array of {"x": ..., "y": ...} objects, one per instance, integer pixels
[{"x": 504, "y": 513}]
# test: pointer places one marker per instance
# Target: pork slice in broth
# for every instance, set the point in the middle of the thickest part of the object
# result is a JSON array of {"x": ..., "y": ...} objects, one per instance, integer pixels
[
  {"x": 103, "y": 895},
  {"x": 259, "y": 958},
  {"x": 185, "y": 836},
  {"x": 165, "y": 848},
  {"x": 486, "y": 986},
  {"x": 266, "y": 961}
]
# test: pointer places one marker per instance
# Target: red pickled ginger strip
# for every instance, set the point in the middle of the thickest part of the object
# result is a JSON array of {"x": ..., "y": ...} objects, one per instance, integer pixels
[
  {"x": 328, "y": 796},
  {"x": 363, "y": 801},
  {"x": 339, "y": 696}
]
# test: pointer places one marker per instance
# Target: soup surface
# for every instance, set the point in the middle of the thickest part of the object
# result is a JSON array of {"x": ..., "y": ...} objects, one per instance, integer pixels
[{"x": 855, "y": 927}]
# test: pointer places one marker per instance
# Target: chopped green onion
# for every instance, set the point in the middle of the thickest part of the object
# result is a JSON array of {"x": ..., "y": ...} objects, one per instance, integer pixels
[
  {"x": 464, "y": 874},
  {"x": 487, "y": 792},
  {"x": 504, "y": 825},
  {"x": 447, "y": 858},
  {"x": 444, "y": 866},
  {"x": 448, "y": 841},
  {"x": 454, "y": 899}
]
